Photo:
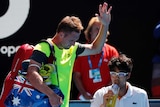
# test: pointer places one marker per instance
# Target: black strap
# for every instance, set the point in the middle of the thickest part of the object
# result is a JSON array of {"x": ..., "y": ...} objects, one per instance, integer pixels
[{"x": 52, "y": 56}]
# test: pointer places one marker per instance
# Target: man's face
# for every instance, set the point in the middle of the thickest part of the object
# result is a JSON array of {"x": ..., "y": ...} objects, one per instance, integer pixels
[
  {"x": 69, "y": 39},
  {"x": 119, "y": 77}
]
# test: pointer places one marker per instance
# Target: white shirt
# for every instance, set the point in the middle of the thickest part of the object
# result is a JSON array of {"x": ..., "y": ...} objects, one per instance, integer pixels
[{"x": 135, "y": 97}]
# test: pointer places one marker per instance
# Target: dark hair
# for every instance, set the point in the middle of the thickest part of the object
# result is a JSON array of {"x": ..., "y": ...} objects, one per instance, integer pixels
[
  {"x": 70, "y": 24},
  {"x": 122, "y": 63}
]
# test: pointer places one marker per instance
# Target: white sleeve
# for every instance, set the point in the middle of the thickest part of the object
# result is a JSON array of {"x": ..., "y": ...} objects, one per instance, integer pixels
[
  {"x": 97, "y": 98},
  {"x": 145, "y": 100}
]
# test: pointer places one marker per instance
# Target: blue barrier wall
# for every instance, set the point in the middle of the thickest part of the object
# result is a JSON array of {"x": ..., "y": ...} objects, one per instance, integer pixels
[{"x": 78, "y": 103}]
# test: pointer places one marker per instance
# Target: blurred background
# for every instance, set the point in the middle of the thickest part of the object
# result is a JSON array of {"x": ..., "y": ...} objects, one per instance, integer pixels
[{"x": 131, "y": 29}]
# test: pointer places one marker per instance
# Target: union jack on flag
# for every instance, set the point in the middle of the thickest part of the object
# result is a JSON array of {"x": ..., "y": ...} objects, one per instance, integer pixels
[
  {"x": 24, "y": 95},
  {"x": 23, "y": 85}
]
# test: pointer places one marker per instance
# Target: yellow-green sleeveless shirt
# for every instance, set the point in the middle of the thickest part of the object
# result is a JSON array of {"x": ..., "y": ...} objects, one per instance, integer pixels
[{"x": 64, "y": 60}]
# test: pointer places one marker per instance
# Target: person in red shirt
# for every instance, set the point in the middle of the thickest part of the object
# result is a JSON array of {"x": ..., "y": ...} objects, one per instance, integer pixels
[{"x": 91, "y": 72}]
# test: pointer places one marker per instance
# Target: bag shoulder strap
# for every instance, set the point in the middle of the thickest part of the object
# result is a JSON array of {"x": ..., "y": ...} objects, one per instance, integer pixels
[{"x": 52, "y": 56}]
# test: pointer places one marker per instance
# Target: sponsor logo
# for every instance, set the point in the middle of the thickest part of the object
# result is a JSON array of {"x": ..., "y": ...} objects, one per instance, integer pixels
[
  {"x": 8, "y": 50},
  {"x": 14, "y": 18}
]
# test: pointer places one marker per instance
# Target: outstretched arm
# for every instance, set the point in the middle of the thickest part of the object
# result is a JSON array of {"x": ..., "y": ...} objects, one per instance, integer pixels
[{"x": 105, "y": 18}]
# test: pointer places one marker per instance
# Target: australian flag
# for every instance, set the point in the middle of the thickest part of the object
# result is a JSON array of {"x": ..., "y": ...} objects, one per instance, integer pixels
[{"x": 24, "y": 95}]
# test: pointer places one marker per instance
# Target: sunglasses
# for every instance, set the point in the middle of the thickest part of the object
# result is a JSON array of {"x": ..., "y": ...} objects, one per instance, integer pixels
[{"x": 119, "y": 74}]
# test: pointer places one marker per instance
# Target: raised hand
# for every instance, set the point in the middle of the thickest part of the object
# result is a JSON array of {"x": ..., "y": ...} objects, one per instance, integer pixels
[{"x": 104, "y": 13}]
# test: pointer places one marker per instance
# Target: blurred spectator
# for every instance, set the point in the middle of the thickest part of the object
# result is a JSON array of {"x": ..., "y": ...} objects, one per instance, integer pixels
[
  {"x": 156, "y": 77},
  {"x": 91, "y": 72},
  {"x": 155, "y": 84}
]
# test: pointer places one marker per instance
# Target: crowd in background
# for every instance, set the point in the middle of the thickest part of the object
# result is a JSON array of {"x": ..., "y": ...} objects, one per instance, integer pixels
[{"x": 80, "y": 89}]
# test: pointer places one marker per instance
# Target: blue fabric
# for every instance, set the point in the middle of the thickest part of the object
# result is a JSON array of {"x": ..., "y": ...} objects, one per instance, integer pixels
[{"x": 24, "y": 95}]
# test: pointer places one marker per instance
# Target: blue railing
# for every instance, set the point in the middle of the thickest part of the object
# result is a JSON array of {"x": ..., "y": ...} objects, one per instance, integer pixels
[{"x": 78, "y": 103}]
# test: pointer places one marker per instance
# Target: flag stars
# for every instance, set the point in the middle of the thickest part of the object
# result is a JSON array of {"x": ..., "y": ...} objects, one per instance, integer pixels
[
  {"x": 45, "y": 102},
  {"x": 16, "y": 101},
  {"x": 37, "y": 96}
]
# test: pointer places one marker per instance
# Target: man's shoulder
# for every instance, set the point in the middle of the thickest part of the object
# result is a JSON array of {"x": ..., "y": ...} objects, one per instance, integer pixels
[
  {"x": 138, "y": 90},
  {"x": 110, "y": 49},
  {"x": 43, "y": 47},
  {"x": 109, "y": 46}
]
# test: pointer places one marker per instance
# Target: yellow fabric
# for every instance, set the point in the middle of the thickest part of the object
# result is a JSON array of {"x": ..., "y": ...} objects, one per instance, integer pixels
[
  {"x": 64, "y": 60},
  {"x": 43, "y": 47}
]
